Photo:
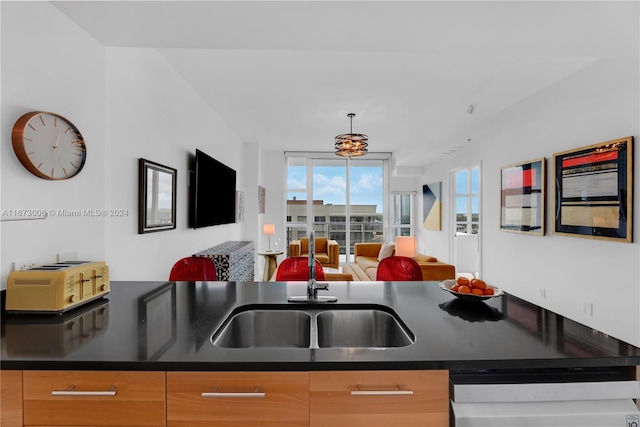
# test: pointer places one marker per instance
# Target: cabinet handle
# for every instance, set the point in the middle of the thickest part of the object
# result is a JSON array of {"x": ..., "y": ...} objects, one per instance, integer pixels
[
  {"x": 255, "y": 394},
  {"x": 71, "y": 391},
  {"x": 396, "y": 391}
]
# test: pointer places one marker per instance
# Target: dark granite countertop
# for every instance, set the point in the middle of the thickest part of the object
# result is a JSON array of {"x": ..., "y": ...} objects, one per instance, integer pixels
[{"x": 168, "y": 326}]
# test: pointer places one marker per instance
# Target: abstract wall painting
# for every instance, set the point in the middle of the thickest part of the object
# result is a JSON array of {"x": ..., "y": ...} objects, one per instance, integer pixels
[
  {"x": 594, "y": 191},
  {"x": 522, "y": 197},
  {"x": 432, "y": 206}
]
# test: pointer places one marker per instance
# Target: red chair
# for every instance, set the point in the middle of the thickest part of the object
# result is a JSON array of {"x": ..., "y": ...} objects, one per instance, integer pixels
[
  {"x": 296, "y": 269},
  {"x": 398, "y": 268},
  {"x": 194, "y": 269}
]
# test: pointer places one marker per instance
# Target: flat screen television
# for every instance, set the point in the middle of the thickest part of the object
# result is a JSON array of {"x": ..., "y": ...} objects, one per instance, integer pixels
[{"x": 213, "y": 192}]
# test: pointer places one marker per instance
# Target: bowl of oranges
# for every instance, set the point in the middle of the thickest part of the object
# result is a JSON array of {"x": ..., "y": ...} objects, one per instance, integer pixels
[{"x": 470, "y": 289}]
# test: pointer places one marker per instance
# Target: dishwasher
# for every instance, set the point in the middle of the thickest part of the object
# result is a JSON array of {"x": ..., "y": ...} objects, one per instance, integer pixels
[{"x": 541, "y": 398}]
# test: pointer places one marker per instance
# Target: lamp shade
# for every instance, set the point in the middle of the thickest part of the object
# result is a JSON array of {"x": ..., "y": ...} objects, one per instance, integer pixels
[
  {"x": 269, "y": 229},
  {"x": 406, "y": 246}
]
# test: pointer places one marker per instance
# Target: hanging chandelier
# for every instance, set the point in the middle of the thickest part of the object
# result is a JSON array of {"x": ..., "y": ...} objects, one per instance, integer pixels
[{"x": 351, "y": 144}]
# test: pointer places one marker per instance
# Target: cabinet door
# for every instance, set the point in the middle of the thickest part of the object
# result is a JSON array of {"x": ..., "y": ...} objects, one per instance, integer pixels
[
  {"x": 11, "y": 399},
  {"x": 234, "y": 399},
  {"x": 89, "y": 398},
  {"x": 379, "y": 398}
]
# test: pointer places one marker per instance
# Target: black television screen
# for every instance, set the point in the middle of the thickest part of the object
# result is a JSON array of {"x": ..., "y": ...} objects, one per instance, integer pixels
[{"x": 213, "y": 195}]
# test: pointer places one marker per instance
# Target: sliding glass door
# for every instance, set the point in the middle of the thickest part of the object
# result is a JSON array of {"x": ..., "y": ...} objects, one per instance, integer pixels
[
  {"x": 328, "y": 207},
  {"x": 342, "y": 199},
  {"x": 465, "y": 240}
]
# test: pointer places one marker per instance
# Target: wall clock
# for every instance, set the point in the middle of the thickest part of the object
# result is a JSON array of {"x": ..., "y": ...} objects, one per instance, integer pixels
[{"x": 48, "y": 145}]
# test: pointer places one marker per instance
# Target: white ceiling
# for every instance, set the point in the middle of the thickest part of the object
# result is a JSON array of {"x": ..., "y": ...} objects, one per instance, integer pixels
[{"x": 285, "y": 74}]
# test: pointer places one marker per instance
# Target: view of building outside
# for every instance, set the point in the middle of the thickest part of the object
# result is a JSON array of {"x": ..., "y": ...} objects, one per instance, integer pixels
[
  {"x": 331, "y": 221},
  {"x": 467, "y": 201},
  {"x": 342, "y": 200}
]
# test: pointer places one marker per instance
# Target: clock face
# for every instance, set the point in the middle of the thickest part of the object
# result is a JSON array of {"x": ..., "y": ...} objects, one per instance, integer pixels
[{"x": 48, "y": 145}]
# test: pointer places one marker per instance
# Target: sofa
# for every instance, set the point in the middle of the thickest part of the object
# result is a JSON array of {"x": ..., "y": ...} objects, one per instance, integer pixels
[
  {"x": 327, "y": 251},
  {"x": 367, "y": 257}
]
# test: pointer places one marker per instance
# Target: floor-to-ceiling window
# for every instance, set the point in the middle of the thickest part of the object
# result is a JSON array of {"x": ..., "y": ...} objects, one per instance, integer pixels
[{"x": 342, "y": 199}]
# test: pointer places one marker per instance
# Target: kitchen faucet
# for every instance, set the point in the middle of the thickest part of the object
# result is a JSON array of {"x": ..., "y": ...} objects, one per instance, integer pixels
[{"x": 312, "y": 285}]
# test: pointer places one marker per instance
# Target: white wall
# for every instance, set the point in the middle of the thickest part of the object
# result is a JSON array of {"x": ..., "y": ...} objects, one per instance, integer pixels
[
  {"x": 58, "y": 68},
  {"x": 152, "y": 113},
  {"x": 128, "y": 103},
  {"x": 597, "y": 104},
  {"x": 253, "y": 164},
  {"x": 273, "y": 178}
]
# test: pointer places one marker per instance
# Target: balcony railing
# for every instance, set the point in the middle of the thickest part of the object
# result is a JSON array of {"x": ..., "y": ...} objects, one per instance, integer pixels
[{"x": 359, "y": 232}]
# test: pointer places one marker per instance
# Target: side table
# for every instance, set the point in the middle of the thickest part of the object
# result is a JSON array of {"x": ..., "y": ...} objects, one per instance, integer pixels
[{"x": 270, "y": 263}]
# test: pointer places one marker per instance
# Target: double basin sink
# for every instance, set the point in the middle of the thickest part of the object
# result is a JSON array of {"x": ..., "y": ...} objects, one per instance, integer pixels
[{"x": 313, "y": 326}]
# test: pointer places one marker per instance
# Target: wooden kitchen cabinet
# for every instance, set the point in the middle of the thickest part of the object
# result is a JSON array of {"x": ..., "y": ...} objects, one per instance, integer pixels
[
  {"x": 379, "y": 398},
  {"x": 234, "y": 399},
  {"x": 90, "y": 398},
  {"x": 11, "y": 398},
  {"x": 229, "y": 399}
]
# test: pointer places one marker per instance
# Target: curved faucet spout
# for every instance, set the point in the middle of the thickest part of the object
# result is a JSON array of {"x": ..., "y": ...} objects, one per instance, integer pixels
[
  {"x": 312, "y": 286},
  {"x": 312, "y": 257}
]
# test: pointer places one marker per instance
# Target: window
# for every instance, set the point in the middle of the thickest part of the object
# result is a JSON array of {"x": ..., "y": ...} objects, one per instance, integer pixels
[
  {"x": 342, "y": 199},
  {"x": 402, "y": 214},
  {"x": 467, "y": 185}
]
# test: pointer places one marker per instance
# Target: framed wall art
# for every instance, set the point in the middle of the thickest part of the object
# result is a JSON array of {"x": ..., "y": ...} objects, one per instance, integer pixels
[
  {"x": 594, "y": 191},
  {"x": 261, "y": 199},
  {"x": 156, "y": 197},
  {"x": 522, "y": 197},
  {"x": 239, "y": 206},
  {"x": 432, "y": 206}
]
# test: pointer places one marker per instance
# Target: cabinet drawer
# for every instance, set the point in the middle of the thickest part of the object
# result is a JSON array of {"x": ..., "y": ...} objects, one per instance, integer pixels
[
  {"x": 379, "y": 398},
  {"x": 232, "y": 399},
  {"x": 74, "y": 398}
]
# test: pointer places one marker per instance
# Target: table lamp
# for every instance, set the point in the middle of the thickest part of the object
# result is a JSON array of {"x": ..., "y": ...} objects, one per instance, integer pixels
[
  {"x": 406, "y": 246},
  {"x": 269, "y": 230}
]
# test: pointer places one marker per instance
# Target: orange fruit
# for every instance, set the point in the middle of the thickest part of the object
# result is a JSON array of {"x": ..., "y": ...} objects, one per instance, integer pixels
[
  {"x": 488, "y": 291},
  {"x": 464, "y": 289},
  {"x": 463, "y": 281},
  {"x": 455, "y": 287},
  {"x": 477, "y": 283},
  {"x": 476, "y": 291}
]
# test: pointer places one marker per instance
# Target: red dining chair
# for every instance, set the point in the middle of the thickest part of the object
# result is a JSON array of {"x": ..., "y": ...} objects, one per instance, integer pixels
[
  {"x": 297, "y": 268},
  {"x": 194, "y": 269},
  {"x": 398, "y": 268}
]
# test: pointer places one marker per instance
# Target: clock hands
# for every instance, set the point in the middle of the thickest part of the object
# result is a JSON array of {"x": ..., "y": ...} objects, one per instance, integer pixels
[
  {"x": 55, "y": 146},
  {"x": 57, "y": 140}
]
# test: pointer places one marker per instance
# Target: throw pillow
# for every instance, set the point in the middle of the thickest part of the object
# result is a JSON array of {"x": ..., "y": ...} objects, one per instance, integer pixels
[{"x": 386, "y": 250}]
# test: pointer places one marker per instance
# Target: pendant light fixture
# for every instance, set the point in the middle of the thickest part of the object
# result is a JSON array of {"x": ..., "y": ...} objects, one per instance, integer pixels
[{"x": 351, "y": 144}]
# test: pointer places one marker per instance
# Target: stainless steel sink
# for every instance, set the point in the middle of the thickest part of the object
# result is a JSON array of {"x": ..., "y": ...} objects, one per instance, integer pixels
[
  {"x": 313, "y": 326},
  {"x": 361, "y": 328},
  {"x": 265, "y": 328}
]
